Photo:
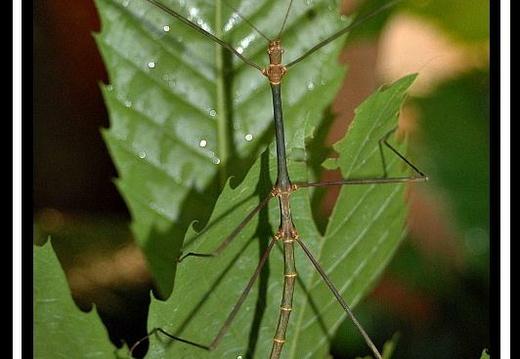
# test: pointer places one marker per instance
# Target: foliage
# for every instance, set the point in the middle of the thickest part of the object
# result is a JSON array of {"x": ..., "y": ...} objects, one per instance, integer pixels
[
  {"x": 362, "y": 235},
  {"x": 170, "y": 171},
  {"x": 60, "y": 328},
  {"x": 182, "y": 125}
]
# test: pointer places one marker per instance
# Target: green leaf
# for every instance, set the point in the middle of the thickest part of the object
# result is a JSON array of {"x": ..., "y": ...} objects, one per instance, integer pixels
[
  {"x": 363, "y": 233},
  {"x": 60, "y": 328},
  {"x": 485, "y": 354},
  {"x": 181, "y": 115},
  {"x": 181, "y": 122}
]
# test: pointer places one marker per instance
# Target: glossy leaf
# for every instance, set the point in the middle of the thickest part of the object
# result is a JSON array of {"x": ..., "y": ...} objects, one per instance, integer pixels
[
  {"x": 184, "y": 116},
  {"x": 363, "y": 233}
]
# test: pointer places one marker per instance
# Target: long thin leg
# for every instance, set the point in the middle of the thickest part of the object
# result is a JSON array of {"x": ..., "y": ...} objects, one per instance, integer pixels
[
  {"x": 283, "y": 189},
  {"x": 231, "y": 315},
  {"x": 199, "y": 29},
  {"x": 289, "y": 234},
  {"x": 384, "y": 141},
  {"x": 225, "y": 243},
  {"x": 340, "y": 299},
  {"x": 419, "y": 176},
  {"x": 342, "y": 32}
]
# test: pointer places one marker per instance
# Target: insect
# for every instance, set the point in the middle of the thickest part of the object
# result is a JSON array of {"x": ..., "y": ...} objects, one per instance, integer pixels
[{"x": 288, "y": 233}]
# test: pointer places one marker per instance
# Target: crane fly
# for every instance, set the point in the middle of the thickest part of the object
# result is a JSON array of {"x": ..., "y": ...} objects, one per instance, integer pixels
[{"x": 283, "y": 189}]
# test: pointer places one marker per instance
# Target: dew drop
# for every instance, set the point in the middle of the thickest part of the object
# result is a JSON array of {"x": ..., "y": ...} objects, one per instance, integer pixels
[
  {"x": 151, "y": 64},
  {"x": 128, "y": 103},
  {"x": 212, "y": 112},
  {"x": 239, "y": 357},
  {"x": 110, "y": 88},
  {"x": 203, "y": 143},
  {"x": 310, "y": 86},
  {"x": 249, "y": 137},
  {"x": 142, "y": 154},
  {"x": 166, "y": 28},
  {"x": 216, "y": 160}
]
